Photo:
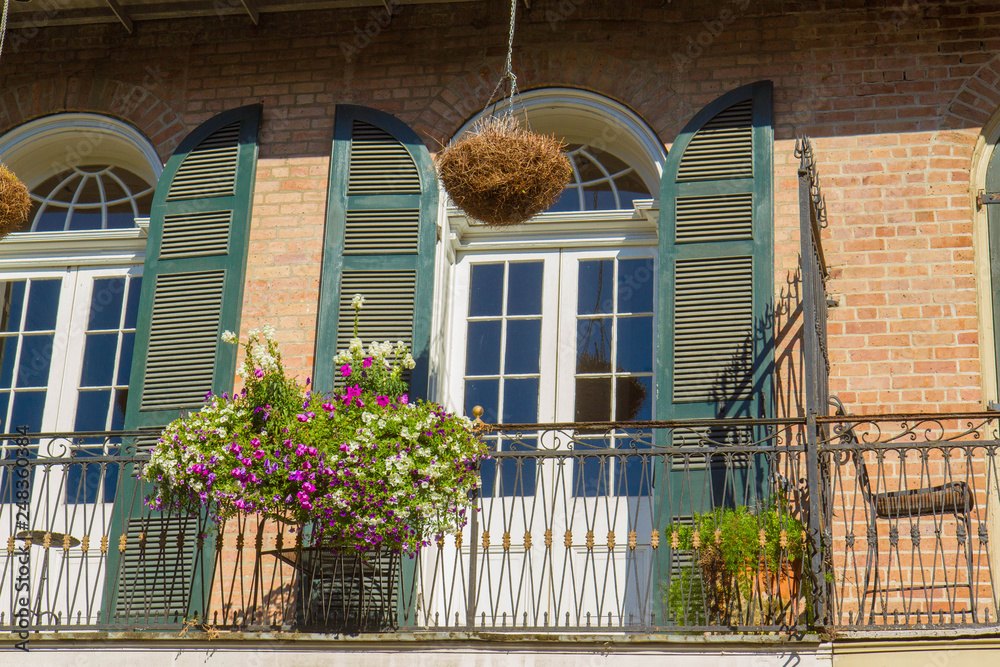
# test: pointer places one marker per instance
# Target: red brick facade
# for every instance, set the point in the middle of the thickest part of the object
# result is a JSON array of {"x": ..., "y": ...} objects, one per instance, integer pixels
[{"x": 894, "y": 95}]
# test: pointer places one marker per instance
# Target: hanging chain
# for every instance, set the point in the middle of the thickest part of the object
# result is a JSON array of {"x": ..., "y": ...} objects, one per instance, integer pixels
[
  {"x": 3, "y": 26},
  {"x": 508, "y": 69}
]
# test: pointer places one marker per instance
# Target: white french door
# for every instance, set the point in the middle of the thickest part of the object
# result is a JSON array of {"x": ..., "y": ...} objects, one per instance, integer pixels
[
  {"x": 65, "y": 356},
  {"x": 557, "y": 336}
]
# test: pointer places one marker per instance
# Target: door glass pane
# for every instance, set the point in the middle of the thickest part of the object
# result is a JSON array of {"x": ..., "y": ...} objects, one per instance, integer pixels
[
  {"x": 13, "y": 299},
  {"x": 486, "y": 290},
  {"x": 596, "y": 287},
  {"x": 36, "y": 358},
  {"x": 43, "y": 302},
  {"x": 99, "y": 360},
  {"x": 593, "y": 345},
  {"x": 524, "y": 339},
  {"x": 484, "y": 348},
  {"x": 593, "y": 399},
  {"x": 106, "y": 303},
  {"x": 635, "y": 344},
  {"x": 636, "y": 280},
  {"x": 524, "y": 290}
]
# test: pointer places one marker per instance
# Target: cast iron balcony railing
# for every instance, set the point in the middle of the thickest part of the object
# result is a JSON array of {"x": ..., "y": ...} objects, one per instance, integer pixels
[{"x": 580, "y": 527}]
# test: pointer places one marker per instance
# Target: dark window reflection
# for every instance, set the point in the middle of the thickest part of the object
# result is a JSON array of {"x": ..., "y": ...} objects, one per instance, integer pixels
[
  {"x": 524, "y": 288},
  {"x": 486, "y": 290}
]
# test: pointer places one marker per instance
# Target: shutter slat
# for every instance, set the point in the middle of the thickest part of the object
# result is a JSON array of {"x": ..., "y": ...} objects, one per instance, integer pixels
[
  {"x": 209, "y": 170},
  {"x": 722, "y": 148},
  {"x": 380, "y": 163},
  {"x": 714, "y": 218},
  {"x": 713, "y": 306},
  {"x": 371, "y": 232},
  {"x": 195, "y": 235},
  {"x": 180, "y": 360}
]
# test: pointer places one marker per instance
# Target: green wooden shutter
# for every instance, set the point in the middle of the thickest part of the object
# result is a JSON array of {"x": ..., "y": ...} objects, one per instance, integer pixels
[
  {"x": 716, "y": 263},
  {"x": 715, "y": 321},
  {"x": 993, "y": 224},
  {"x": 192, "y": 291},
  {"x": 379, "y": 242}
]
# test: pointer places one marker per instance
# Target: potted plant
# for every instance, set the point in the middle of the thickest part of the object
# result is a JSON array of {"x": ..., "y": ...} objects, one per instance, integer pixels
[{"x": 746, "y": 564}]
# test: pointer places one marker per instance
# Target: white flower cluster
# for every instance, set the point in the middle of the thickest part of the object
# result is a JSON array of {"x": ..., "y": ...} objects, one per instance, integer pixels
[{"x": 357, "y": 302}]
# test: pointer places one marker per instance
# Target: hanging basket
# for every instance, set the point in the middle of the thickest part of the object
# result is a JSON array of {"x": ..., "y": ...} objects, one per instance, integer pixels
[
  {"x": 14, "y": 202},
  {"x": 502, "y": 174}
]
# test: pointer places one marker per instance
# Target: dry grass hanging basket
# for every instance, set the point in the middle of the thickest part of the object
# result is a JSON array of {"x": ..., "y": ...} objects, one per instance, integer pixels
[
  {"x": 502, "y": 173},
  {"x": 14, "y": 202}
]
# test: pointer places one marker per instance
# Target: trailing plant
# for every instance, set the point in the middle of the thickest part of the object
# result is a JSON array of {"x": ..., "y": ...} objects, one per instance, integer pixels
[{"x": 365, "y": 467}]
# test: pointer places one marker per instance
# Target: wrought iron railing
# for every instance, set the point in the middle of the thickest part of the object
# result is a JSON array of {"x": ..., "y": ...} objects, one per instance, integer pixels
[{"x": 580, "y": 527}]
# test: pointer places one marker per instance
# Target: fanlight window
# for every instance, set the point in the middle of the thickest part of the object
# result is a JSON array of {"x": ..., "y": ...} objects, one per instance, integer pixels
[
  {"x": 88, "y": 198},
  {"x": 601, "y": 182}
]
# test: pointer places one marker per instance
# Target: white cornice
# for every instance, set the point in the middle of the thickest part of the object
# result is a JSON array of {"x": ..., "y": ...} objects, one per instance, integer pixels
[
  {"x": 29, "y": 250},
  {"x": 583, "y": 229}
]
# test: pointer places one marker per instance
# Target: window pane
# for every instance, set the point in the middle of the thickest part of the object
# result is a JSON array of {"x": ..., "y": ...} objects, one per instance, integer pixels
[
  {"x": 13, "y": 300},
  {"x": 634, "y": 399},
  {"x": 524, "y": 339},
  {"x": 132, "y": 307},
  {"x": 593, "y": 346},
  {"x": 520, "y": 401},
  {"x": 486, "y": 290},
  {"x": 9, "y": 352},
  {"x": 599, "y": 197},
  {"x": 99, "y": 360},
  {"x": 635, "y": 344},
  {"x": 52, "y": 219},
  {"x": 125, "y": 363},
  {"x": 43, "y": 301},
  {"x": 635, "y": 285},
  {"x": 92, "y": 410},
  {"x": 36, "y": 357},
  {"x": 596, "y": 283},
  {"x": 83, "y": 481},
  {"x": 593, "y": 399},
  {"x": 524, "y": 288},
  {"x": 28, "y": 406},
  {"x": 486, "y": 394},
  {"x": 106, "y": 303},
  {"x": 483, "y": 352},
  {"x": 86, "y": 219}
]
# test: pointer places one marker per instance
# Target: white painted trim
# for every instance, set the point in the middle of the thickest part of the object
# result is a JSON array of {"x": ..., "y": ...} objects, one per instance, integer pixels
[
  {"x": 45, "y": 146},
  {"x": 31, "y": 250},
  {"x": 582, "y": 229}
]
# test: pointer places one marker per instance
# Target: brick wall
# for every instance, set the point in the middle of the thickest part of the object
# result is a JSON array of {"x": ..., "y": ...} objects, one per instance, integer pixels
[{"x": 894, "y": 95}]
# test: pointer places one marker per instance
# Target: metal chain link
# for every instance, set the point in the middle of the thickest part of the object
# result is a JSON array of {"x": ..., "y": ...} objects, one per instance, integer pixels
[
  {"x": 508, "y": 69},
  {"x": 3, "y": 25}
]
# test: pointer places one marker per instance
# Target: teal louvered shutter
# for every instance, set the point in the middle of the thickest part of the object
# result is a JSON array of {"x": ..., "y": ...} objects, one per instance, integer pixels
[
  {"x": 993, "y": 225},
  {"x": 715, "y": 322},
  {"x": 716, "y": 259},
  {"x": 192, "y": 291},
  {"x": 379, "y": 242}
]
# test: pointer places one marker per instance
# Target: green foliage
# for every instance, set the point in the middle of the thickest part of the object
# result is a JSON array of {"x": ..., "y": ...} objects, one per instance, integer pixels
[{"x": 738, "y": 529}]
